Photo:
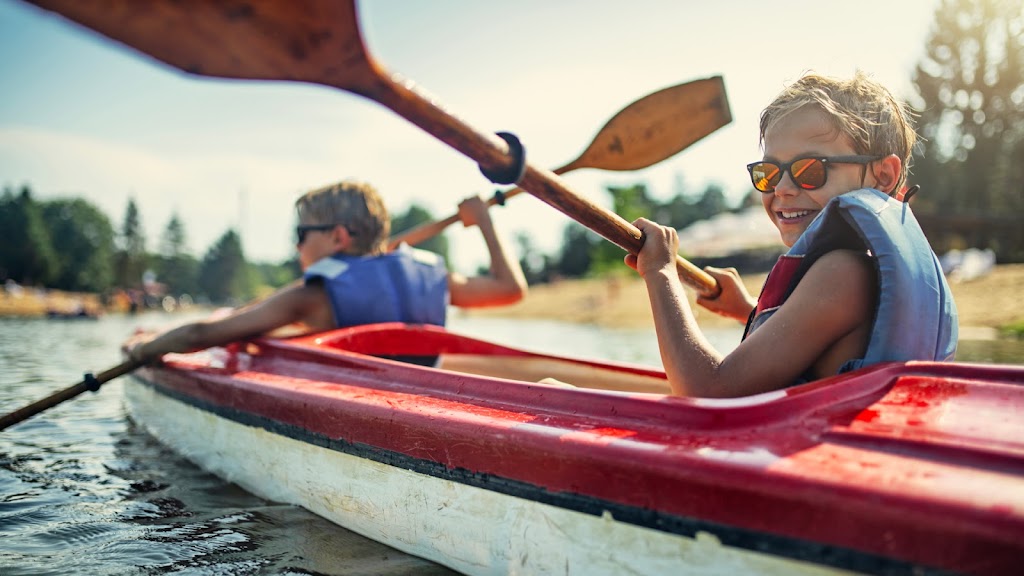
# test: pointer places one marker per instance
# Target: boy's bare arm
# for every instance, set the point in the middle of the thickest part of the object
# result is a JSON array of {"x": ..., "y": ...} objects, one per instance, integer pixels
[
  {"x": 505, "y": 284},
  {"x": 294, "y": 303},
  {"x": 824, "y": 322}
]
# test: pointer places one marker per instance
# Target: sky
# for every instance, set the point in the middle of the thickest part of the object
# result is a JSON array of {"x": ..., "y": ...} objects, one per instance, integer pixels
[{"x": 83, "y": 116}]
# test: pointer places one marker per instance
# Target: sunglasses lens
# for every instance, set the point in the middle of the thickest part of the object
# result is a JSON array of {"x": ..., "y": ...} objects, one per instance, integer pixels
[
  {"x": 765, "y": 176},
  {"x": 808, "y": 173},
  {"x": 300, "y": 235}
]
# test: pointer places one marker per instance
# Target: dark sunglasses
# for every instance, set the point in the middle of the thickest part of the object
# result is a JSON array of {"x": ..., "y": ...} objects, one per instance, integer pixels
[
  {"x": 301, "y": 231},
  {"x": 809, "y": 173}
]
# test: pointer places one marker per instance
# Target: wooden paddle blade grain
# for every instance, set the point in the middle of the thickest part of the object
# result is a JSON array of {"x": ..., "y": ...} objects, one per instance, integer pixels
[
  {"x": 301, "y": 40},
  {"x": 659, "y": 126}
]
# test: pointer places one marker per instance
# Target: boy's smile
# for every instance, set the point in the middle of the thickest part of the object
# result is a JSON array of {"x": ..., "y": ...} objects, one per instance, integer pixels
[{"x": 807, "y": 132}]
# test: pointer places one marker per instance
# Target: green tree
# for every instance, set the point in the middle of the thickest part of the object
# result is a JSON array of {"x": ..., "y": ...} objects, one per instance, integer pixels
[
  {"x": 276, "y": 275},
  {"x": 586, "y": 253},
  {"x": 413, "y": 217},
  {"x": 712, "y": 202},
  {"x": 224, "y": 275},
  {"x": 681, "y": 211},
  {"x": 629, "y": 202},
  {"x": 577, "y": 245},
  {"x": 534, "y": 264},
  {"x": 131, "y": 255},
  {"x": 83, "y": 240},
  {"x": 677, "y": 212},
  {"x": 175, "y": 266},
  {"x": 970, "y": 164},
  {"x": 26, "y": 251},
  {"x": 632, "y": 202},
  {"x": 172, "y": 241}
]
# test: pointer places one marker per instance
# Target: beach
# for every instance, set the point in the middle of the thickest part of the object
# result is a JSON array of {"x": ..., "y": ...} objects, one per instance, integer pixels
[
  {"x": 985, "y": 304},
  {"x": 28, "y": 302}
]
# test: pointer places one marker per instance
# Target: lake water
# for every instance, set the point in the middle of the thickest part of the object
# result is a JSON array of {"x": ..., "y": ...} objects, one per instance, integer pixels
[{"x": 83, "y": 491}]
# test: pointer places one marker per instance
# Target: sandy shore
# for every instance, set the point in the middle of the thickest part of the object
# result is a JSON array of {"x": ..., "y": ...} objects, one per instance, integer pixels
[
  {"x": 32, "y": 302},
  {"x": 985, "y": 304}
]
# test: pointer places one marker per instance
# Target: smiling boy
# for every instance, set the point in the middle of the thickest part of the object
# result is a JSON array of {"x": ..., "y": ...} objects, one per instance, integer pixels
[{"x": 859, "y": 285}]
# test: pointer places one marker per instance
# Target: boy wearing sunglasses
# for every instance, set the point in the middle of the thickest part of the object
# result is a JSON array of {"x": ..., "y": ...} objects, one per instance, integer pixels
[
  {"x": 350, "y": 279},
  {"x": 859, "y": 284}
]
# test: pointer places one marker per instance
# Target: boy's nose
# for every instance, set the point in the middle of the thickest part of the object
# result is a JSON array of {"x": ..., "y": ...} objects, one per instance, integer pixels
[{"x": 786, "y": 186}]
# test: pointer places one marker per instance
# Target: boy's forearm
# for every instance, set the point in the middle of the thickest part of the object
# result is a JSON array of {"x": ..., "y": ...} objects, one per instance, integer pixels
[
  {"x": 690, "y": 362},
  {"x": 503, "y": 268},
  {"x": 180, "y": 339}
]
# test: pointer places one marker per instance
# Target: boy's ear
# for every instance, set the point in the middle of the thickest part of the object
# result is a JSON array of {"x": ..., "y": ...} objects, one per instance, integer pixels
[
  {"x": 342, "y": 239},
  {"x": 887, "y": 173}
]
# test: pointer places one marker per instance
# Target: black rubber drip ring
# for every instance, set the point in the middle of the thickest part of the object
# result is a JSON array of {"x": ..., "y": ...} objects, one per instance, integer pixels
[{"x": 513, "y": 173}]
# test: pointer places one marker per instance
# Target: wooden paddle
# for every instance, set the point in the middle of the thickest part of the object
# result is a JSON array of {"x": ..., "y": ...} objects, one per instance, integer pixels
[
  {"x": 319, "y": 41},
  {"x": 649, "y": 130},
  {"x": 90, "y": 382}
]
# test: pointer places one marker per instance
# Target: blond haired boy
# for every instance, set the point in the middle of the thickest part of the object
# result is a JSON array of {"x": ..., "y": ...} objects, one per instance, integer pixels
[
  {"x": 859, "y": 285},
  {"x": 350, "y": 278}
]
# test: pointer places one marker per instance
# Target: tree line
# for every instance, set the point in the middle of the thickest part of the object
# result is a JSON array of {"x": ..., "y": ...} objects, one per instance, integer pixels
[
  {"x": 70, "y": 244},
  {"x": 585, "y": 253}
]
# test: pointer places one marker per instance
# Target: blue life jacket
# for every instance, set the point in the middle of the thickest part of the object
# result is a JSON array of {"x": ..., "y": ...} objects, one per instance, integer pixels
[
  {"x": 406, "y": 285},
  {"x": 915, "y": 317}
]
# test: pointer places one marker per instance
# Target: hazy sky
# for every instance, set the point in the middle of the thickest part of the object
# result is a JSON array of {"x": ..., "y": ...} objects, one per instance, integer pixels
[{"x": 80, "y": 115}]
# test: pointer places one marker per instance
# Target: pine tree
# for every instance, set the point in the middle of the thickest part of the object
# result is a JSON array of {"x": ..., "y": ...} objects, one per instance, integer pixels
[
  {"x": 412, "y": 218},
  {"x": 224, "y": 274},
  {"x": 26, "y": 251},
  {"x": 131, "y": 256},
  {"x": 175, "y": 267}
]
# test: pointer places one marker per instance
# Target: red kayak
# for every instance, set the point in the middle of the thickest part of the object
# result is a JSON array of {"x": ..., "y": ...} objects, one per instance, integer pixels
[{"x": 451, "y": 448}]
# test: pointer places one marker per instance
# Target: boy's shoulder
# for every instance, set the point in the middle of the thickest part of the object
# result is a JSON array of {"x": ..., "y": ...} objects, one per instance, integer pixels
[
  {"x": 328, "y": 267},
  {"x": 418, "y": 254}
]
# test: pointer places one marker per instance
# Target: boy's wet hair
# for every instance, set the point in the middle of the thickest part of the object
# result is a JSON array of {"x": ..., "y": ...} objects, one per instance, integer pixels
[
  {"x": 354, "y": 205},
  {"x": 859, "y": 108}
]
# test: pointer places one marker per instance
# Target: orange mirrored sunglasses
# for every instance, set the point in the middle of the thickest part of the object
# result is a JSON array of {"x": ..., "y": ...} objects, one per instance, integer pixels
[{"x": 809, "y": 172}]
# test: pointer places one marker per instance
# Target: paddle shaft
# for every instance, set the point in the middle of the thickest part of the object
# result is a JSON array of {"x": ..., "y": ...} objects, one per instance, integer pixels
[
  {"x": 645, "y": 132},
  {"x": 67, "y": 394},
  {"x": 492, "y": 153}
]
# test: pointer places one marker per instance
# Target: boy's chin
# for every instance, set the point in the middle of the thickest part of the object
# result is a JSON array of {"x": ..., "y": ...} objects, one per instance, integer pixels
[{"x": 790, "y": 236}]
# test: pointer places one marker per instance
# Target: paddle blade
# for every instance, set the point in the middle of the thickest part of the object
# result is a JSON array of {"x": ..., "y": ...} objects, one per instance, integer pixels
[
  {"x": 307, "y": 41},
  {"x": 658, "y": 126}
]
